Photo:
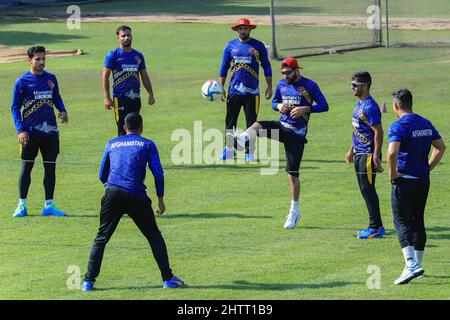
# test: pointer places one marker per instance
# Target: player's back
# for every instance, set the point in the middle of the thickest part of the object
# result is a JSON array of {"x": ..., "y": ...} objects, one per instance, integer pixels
[{"x": 129, "y": 156}]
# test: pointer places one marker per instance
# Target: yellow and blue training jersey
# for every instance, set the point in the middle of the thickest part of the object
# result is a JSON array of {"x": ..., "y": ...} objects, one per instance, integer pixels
[
  {"x": 33, "y": 102},
  {"x": 366, "y": 115},
  {"x": 244, "y": 59},
  {"x": 303, "y": 92},
  {"x": 125, "y": 68}
]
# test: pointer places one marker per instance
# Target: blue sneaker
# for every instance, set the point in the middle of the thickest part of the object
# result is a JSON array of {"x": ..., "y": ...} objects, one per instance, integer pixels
[
  {"x": 87, "y": 286},
  {"x": 21, "y": 211},
  {"x": 227, "y": 154},
  {"x": 370, "y": 233},
  {"x": 52, "y": 210},
  {"x": 249, "y": 157},
  {"x": 173, "y": 283}
]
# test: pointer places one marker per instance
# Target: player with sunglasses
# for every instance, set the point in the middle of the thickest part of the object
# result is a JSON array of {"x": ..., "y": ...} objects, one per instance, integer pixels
[{"x": 365, "y": 151}]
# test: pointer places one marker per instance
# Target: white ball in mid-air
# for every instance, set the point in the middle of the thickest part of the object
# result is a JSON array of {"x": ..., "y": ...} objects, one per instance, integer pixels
[{"x": 212, "y": 90}]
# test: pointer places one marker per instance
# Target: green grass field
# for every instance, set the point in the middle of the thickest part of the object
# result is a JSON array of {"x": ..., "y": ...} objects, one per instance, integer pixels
[{"x": 224, "y": 224}]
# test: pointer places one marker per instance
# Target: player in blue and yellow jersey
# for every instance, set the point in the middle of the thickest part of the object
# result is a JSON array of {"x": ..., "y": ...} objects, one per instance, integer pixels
[
  {"x": 122, "y": 172},
  {"x": 296, "y": 98},
  {"x": 410, "y": 141},
  {"x": 244, "y": 55},
  {"x": 128, "y": 67},
  {"x": 365, "y": 151},
  {"x": 35, "y": 96}
]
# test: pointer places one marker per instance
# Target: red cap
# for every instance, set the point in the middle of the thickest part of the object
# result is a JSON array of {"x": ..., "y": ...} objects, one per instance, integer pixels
[
  {"x": 290, "y": 63},
  {"x": 243, "y": 22}
]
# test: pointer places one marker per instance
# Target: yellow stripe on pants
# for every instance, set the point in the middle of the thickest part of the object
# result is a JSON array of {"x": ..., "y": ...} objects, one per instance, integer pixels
[
  {"x": 369, "y": 168},
  {"x": 257, "y": 104},
  {"x": 116, "y": 109}
]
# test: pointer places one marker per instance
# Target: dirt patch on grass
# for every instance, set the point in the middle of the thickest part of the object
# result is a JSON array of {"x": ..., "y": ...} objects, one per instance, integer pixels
[
  {"x": 317, "y": 21},
  {"x": 8, "y": 54}
]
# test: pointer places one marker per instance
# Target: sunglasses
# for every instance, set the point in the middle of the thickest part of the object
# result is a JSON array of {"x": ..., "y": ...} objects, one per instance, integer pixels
[
  {"x": 287, "y": 71},
  {"x": 357, "y": 85}
]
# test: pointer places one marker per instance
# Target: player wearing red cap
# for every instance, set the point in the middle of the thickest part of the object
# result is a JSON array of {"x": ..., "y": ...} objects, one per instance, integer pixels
[
  {"x": 296, "y": 98},
  {"x": 244, "y": 55}
]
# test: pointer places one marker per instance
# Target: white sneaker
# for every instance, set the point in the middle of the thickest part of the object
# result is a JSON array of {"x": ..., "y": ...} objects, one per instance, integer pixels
[
  {"x": 292, "y": 219},
  {"x": 409, "y": 273}
]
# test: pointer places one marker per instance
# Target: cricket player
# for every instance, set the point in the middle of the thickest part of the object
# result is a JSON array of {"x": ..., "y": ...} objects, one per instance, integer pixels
[
  {"x": 35, "y": 98},
  {"x": 365, "y": 151},
  {"x": 296, "y": 98},
  {"x": 245, "y": 54},
  {"x": 128, "y": 67},
  {"x": 122, "y": 171},
  {"x": 410, "y": 141}
]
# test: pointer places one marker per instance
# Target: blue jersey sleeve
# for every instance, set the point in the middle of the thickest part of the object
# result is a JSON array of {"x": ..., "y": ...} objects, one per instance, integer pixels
[
  {"x": 226, "y": 59},
  {"x": 109, "y": 60},
  {"x": 105, "y": 165},
  {"x": 265, "y": 63},
  {"x": 16, "y": 105},
  {"x": 373, "y": 114},
  {"x": 395, "y": 133},
  {"x": 154, "y": 163},
  {"x": 436, "y": 135},
  {"x": 142, "y": 65},
  {"x": 57, "y": 100},
  {"x": 319, "y": 98},
  {"x": 276, "y": 98}
]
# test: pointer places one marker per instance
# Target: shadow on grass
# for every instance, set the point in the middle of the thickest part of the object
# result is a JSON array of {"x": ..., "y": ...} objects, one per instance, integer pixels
[
  {"x": 245, "y": 285},
  {"x": 69, "y": 216},
  {"x": 435, "y": 233},
  {"x": 227, "y": 167},
  {"x": 211, "y": 216},
  {"x": 198, "y": 7},
  {"x": 28, "y": 38}
]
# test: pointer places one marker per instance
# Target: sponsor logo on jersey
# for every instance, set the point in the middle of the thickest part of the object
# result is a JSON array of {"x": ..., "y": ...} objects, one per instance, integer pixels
[
  {"x": 294, "y": 100},
  {"x": 130, "y": 67},
  {"x": 43, "y": 94},
  {"x": 243, "y": 59},
  {"x": 50, "y": 84}
]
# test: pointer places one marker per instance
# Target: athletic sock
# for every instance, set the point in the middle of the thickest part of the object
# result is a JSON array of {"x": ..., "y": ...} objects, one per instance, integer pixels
[
  {"x": 48, "y": 203},
  {"x": 408, "y": 254},
  {"x": 419, "y": 256},
  {"x": 23, "y": 202},
  {"x": 294, "y": 206}
]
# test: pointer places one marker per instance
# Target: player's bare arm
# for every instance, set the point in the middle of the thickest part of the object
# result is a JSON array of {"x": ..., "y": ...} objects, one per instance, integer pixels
[
  {"x": 106, "y": 92},
  {"x": 148, "y": 86},
  {"x": 378, "y": 140},
  {"x": 392, "y": 156},
  {"x": 437, "y": 153}
]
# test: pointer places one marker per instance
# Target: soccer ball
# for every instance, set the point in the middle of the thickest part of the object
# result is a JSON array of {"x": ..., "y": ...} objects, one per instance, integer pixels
[{"x": 212, "y": 90}]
